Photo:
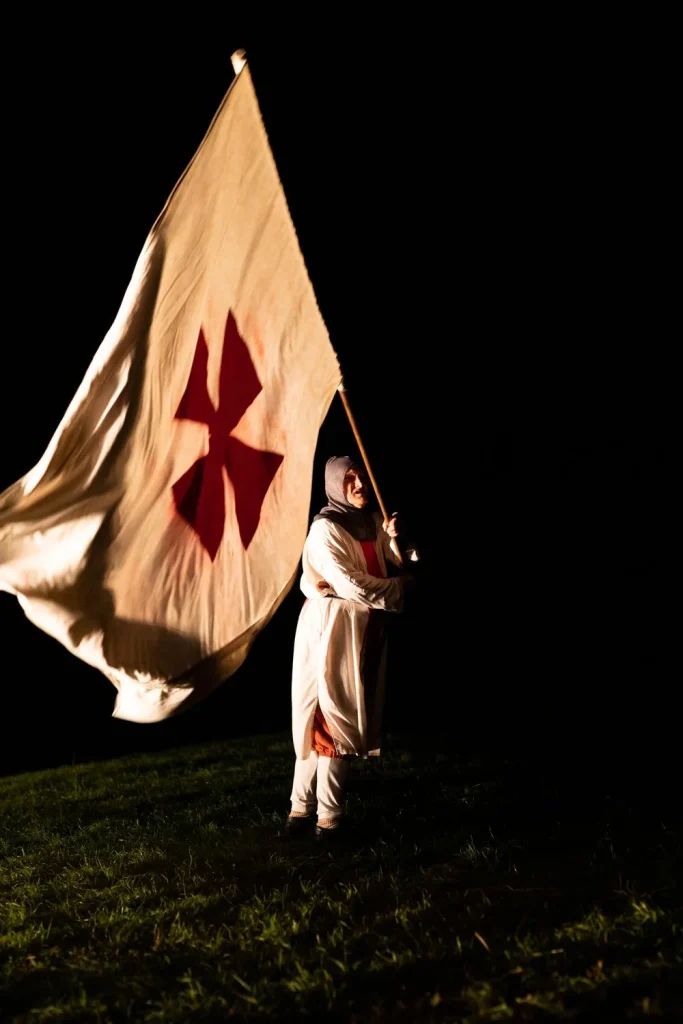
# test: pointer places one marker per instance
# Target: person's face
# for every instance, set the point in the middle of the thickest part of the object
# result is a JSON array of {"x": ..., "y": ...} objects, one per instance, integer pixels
[{"x": 355, "y": 488}]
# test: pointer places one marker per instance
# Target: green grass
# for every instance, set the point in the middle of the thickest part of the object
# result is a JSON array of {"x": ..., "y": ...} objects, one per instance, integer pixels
[{"x": 155, "y": 888}]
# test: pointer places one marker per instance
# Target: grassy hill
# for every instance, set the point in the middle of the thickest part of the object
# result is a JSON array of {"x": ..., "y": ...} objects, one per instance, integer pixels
[{"x": 155, "y": 888}]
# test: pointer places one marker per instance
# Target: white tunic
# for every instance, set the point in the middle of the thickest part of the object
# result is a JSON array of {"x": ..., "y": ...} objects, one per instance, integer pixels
[{"x": 328, "y": 649}]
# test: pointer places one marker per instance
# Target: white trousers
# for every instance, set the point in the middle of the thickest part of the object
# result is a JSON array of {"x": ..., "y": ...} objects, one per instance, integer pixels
[{"x": 321, "y": 776}]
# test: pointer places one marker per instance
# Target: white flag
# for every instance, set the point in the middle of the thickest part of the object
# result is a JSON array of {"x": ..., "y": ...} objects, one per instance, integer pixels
[{"x": 164, "y": 524}]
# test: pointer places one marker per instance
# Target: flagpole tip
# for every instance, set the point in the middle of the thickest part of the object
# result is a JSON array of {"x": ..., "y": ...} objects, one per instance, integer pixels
[
  {"x": 340, "y": 386},
  {"x": 239, "y": 59}
]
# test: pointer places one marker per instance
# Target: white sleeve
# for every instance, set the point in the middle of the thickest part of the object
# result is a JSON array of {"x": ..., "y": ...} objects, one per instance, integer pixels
[
  {"x": 332, "y": 561},
  {"x": 307, "y": 589}
]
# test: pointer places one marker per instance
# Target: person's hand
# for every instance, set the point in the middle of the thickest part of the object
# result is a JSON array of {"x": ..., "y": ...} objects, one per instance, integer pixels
[{"x": 391, "y": 526}]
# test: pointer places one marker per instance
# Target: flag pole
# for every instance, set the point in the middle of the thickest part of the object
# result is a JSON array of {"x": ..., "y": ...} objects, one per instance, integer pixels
[
  {"x": 239, "y": 59},
  {"x": 347, "y": 408}
]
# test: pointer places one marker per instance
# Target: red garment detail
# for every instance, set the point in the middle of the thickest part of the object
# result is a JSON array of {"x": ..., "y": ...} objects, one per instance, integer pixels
[
  {"x": 371, "y": 559},
  {"x": 323, "y": 744}
]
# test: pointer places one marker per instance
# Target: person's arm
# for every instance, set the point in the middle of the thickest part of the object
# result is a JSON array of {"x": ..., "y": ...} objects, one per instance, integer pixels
[{"x": 332, "y": 561}]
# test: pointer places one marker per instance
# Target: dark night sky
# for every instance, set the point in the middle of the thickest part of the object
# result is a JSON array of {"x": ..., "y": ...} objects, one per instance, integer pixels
[{"x": 473, "y": 218}]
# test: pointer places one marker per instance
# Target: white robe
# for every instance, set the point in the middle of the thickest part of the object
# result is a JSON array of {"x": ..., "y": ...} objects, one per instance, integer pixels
[{"x": 328, "y": 649}]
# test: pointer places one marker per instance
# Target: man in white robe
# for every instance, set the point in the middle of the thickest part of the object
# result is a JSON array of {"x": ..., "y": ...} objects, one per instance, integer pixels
[{"x": 340, "y": 647}]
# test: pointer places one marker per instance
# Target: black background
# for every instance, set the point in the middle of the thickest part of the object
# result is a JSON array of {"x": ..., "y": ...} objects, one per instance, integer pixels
[{"x": 477, "y": 206}]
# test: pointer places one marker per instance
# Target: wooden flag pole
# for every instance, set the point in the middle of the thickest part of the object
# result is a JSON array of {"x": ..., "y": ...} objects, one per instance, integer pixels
[{"x": 345, "y": 402}]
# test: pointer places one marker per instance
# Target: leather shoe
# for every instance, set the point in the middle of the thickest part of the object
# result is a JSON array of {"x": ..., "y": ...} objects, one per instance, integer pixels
[
  {"x": 331, "y": 835},
  {"x": 297, "y": 828}
]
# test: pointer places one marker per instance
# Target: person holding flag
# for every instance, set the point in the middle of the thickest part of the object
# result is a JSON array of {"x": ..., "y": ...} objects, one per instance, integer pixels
[
  {"x": 163, "y": 526},
  {"x": 340, "y": 646}
]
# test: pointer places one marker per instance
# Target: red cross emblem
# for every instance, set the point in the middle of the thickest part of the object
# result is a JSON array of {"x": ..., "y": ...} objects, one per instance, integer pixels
[{"x": 198, "y": 494}]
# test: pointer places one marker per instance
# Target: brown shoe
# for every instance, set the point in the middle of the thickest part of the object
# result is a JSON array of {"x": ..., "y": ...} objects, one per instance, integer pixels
[
  {"x": 332, "y": 835},
  {"x": 297, "y": 828}
]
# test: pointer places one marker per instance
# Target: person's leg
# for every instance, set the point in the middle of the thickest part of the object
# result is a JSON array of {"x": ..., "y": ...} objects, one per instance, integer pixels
[
  {"x": 303, "y": 789},
  {"x": 332, "y": 774}
]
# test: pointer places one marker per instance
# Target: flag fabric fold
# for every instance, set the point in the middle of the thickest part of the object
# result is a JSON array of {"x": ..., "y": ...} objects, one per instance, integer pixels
[{"x": 163, "y": 526}]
